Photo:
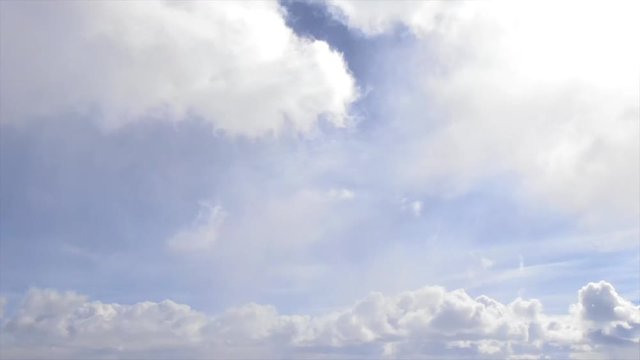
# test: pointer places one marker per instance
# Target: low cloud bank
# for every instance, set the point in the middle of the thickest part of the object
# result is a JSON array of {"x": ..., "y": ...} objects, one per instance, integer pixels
[{"x": 427, "y": 322}]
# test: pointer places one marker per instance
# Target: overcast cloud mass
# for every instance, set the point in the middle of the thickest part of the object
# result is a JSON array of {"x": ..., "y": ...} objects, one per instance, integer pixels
[{"x": 330, "y": 179}]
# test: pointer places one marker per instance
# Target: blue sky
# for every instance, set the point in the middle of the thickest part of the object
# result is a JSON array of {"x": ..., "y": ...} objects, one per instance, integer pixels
[{"x": 286, "y": 175}]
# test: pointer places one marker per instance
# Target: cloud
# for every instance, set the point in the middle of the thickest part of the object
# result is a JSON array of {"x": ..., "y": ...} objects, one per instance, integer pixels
[
  {"x": 234, "y": 64},
  {"x": 341, "y": 194},
  {"x": 202, "y": 234},
  {"x": 413, "y": 323},
  {"x": 304, "y": 212},
  {"x": 268, "y": 240},
  {"x": 606, "y": 316},
  {"x": 49, "y": 319},
  {"x": 486, "y": 263},
  {"x": 552, "y": 106},
  {"x": 415, "y": 207},
  {"x": 294, "y": 218}
]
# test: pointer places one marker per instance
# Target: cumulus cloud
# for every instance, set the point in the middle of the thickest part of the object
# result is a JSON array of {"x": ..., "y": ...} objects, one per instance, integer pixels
[
  {"x": 232, "y": 63},
  {"x": 427, "y": 321},
  {"x": 608, "y": 317},
  {"x": 544, "y": 92},
  {"x": 62, "y": 321}
]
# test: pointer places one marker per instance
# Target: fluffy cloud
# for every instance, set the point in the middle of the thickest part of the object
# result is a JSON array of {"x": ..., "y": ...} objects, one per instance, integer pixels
[
  {"x": 60, "y": 321},
  {"x": 232, "y": 63},
  {"x": 544, "y": 92},
  {"x": 428, "y": 321},
  {"x": 606, "y": 316}
]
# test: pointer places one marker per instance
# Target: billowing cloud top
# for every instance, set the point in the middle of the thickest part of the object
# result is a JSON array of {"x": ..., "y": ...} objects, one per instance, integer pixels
[{"x": 233, "y": 63}]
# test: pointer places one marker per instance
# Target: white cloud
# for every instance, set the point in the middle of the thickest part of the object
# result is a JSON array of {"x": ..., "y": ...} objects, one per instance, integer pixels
[
  {"x": 235, "y": 64},
  {"x": 202, "y": 234},
  {"x": 546, "y": 92},
  {"x": 70, "y": 323},
  {"x": 428, "y": 321}
]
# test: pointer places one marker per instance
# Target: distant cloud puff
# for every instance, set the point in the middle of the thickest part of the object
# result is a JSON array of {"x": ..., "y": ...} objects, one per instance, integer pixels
[{"x": 202, "y": 234}]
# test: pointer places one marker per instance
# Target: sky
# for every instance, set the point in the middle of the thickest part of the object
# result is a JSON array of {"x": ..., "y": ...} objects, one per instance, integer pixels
[{"x": 330, "y": 179}]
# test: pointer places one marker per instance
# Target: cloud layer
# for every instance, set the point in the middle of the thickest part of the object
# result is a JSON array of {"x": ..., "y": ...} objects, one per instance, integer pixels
[
  {"x": 430, "y": 321},
  {"x": 234, "y": 64}
]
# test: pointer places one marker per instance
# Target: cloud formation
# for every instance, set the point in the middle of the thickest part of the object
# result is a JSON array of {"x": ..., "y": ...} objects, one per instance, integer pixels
[
  {"x": 606, "y": 316},
  {"x": 535, "y": 91},
  {"x": 232, "y": 63},
  {"x": 307, "y": 222},
  {"x": 426, "y": 322}
]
